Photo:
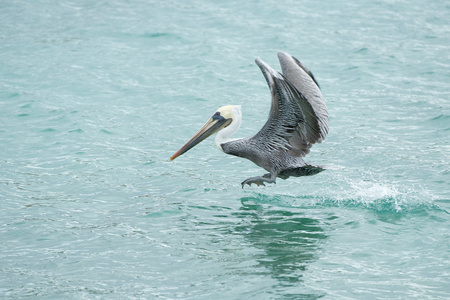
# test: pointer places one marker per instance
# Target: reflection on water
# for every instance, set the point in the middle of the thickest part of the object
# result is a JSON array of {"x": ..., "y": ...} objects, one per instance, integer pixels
[{"x": 289, "y": 240}]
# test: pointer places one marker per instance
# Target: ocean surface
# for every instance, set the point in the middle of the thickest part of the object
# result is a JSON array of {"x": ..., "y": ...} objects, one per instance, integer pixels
[{"x": 95, "y": 96}]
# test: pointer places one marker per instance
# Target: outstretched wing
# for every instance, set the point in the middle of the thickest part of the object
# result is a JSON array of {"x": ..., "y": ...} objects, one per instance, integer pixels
[{"x": 298, "y": 116}]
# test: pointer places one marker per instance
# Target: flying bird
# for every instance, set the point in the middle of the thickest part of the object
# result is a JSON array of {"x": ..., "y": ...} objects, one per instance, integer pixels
[{"x": 298, "y": 119}]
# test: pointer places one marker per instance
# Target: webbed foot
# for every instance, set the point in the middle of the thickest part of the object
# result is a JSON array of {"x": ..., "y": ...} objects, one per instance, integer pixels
[{"x": 259, "y": 180}]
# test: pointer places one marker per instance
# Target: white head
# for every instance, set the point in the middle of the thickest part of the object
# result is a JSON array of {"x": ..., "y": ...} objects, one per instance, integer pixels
[{"x": 233, "y": 113}]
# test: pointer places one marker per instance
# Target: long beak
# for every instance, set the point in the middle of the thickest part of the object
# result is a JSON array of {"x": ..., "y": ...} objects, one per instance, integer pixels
[{"x": 211, "y": 127}]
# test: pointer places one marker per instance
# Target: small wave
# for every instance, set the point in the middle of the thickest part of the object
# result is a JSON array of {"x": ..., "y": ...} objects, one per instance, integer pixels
[{"x": 441, "y": 117}]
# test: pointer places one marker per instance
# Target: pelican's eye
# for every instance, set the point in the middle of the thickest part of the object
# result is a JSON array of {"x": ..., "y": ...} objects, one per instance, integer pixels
[{"x": 216, "y": 116}]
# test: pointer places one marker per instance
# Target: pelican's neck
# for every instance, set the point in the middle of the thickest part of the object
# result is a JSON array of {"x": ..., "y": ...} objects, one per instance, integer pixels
[{"x": 224, "y": 135}]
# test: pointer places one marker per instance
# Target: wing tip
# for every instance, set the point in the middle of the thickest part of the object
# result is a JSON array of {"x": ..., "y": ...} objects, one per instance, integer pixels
[{"x": 283, "y": 55}]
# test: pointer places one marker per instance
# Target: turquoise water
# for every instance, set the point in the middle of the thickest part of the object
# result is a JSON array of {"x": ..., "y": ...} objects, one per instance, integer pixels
[{"x": 95, "y": 96}]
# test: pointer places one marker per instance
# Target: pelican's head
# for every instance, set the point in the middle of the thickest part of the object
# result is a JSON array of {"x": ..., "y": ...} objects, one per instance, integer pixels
[{"x": 228, "y": 117}]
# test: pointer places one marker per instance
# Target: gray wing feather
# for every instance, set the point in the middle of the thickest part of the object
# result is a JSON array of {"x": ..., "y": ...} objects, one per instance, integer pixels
[
  {"x": 314, "y": 107},
  {"x": 296, "y": 121}
]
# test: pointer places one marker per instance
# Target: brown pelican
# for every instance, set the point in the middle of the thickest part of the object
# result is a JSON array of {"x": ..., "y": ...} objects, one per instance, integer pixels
[{"x": 298, "y": 119}]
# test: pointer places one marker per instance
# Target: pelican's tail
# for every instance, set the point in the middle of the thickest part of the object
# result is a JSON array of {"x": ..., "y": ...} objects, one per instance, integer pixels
[{"x": 307, "y": 170}]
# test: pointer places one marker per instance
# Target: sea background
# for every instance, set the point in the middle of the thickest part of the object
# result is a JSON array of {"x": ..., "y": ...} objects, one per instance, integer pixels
[{"x": 95, "y": 96}]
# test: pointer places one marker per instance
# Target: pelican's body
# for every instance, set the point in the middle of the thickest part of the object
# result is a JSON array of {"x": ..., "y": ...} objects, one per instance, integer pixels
[{"x": 298, "y": 118}]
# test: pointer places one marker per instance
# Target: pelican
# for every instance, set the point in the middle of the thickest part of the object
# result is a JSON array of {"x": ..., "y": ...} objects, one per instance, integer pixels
[{"x": 298, "y": 119}]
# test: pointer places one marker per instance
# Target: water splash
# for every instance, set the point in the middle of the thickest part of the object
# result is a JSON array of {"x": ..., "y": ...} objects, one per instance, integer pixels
[
  {"x": 385, "y": 196},
  {"x": 375, "y": 195}
]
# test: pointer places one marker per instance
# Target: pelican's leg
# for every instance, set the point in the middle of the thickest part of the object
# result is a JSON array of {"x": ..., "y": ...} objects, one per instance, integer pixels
[{"x": 259, "y": 180}]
